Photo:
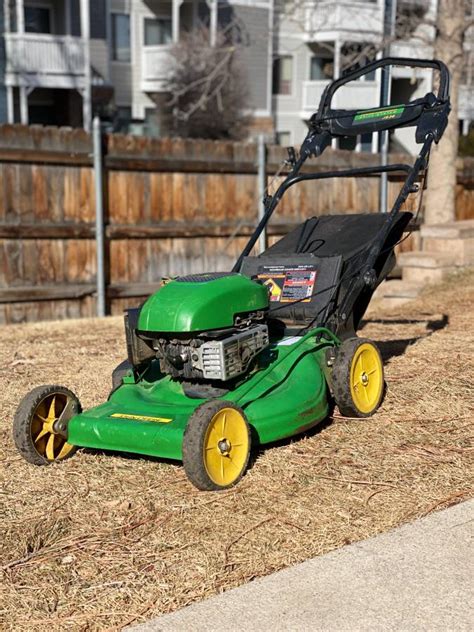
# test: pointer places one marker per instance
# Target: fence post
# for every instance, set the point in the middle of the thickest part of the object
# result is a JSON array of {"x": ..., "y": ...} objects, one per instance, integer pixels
[
  {"x": 99, "y": 215},
  {"x": 262, "y": 189},
  {"x": 385, "y": 93}
]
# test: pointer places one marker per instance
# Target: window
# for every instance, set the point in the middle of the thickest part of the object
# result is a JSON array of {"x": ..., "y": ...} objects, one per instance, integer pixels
[
  {"x": 37, "y": 20},
  {"x": 123, "y": 116},
  {"x": 120, "y": 37},
  {"x": 283, "y": 138},
  {"x": 282, "y": 75},
  {"x": 322, "y": 68},
  {"x": 124, "y": 112},
  {"x": 98, "y": 19},
  {"x": 157, "y": 31}
]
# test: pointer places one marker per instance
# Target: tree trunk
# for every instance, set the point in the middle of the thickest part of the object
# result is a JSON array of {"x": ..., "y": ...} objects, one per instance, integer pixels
[{"x": 440, "y": 206}]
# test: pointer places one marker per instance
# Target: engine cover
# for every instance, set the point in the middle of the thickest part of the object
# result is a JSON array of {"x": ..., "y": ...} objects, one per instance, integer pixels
[{"x": 201, "y": 302}]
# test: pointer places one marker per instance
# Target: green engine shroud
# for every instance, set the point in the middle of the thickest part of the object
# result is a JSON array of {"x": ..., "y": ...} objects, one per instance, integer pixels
[{"x": 202, "y": 303}]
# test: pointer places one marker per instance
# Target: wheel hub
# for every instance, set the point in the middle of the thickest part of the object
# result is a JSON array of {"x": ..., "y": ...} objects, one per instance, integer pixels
[
  {"x": 364, "y": 378},
  {"x": 59, "y": 427},
  {"x": 224, "y": 446}
]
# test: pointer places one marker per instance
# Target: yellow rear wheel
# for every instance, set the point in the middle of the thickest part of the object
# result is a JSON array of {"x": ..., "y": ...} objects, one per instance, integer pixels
[
  {"x": 358, "y": 378},
  {"x": 40, "y": 424},
  {"x": 216, "y": 445}
]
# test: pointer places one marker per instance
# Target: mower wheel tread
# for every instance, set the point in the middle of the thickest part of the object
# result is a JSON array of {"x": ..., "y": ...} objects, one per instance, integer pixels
[
  {"x": 194, "y": 446},
  {"x": 23, "y": 420},
  {"x": 119, "y": 373},
  {"x": 341, "y": 378}
]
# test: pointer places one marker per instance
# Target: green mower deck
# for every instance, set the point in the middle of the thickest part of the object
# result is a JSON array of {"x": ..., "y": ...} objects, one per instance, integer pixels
[{"x": 282, "y": 399}]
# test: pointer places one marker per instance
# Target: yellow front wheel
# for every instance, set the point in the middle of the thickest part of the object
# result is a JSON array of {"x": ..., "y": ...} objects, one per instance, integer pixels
[
  {"x": 40, "y": 424},
  {"x": 216, "y": 445},
  {"x": 358, "y": 378}
]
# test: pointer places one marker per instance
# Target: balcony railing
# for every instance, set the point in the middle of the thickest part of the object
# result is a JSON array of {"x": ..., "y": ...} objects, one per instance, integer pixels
[
  {"x": 157, "y": 62},
  {"x": 360, "y": 19},
  {"x": 466, "y": 102},
  {"x": 414, "y": 48},
  {"x": 357, "y": 95},
  {"x": 44, "y": 60}
]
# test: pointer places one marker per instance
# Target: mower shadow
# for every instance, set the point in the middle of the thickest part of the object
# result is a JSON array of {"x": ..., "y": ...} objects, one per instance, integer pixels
[
  {"x": 397, "y": 347},
  {"x": 259, "y": 449},
  {"x": 131, "y": 456},
  {"x": 255, "y": 453}
]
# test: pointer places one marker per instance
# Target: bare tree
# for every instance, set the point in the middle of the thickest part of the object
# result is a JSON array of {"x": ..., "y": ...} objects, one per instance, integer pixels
[
  {"x": 208, "y": 87},
  {"x": 452, "y": 24}
]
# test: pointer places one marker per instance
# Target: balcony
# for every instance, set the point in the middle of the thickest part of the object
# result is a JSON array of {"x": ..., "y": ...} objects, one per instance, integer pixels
[
  {"x": 44, "y": 61},
  {"x": 357, "y": 95},
  {"x": 354, "y": 20},
  {"x": 156, "y": 64}
]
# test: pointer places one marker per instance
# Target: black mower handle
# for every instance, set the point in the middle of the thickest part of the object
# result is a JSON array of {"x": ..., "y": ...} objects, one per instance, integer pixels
[{"x": 436, "y": 64}]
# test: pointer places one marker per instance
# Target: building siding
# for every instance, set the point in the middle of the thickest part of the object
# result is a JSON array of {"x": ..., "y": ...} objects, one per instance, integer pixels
[
  {"x": 100, "y": 57},
  {"x": 254, "y": 54},
  {"x": 289, "y": 41},
  {"x": 3, "y": 90},
  {"x": 121, "y": 79}
]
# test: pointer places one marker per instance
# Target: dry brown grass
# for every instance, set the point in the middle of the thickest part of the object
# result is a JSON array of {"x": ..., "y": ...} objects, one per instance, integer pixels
[{"x": 104, "y": 540}]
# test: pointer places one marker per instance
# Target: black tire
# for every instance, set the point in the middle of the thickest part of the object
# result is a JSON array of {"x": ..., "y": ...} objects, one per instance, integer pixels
[
  {"x": 357, "y": 392},
  {"x": 119, "y": 373},
  {"x": 205, "y": 451},
  {"x": 26, "y": 422}
]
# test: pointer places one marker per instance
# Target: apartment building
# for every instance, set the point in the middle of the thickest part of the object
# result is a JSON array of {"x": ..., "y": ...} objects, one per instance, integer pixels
[
  {"x": 45, "y": 61},
  {"x": 141, "y": 37},
  {"x": 61, "y": 61}
]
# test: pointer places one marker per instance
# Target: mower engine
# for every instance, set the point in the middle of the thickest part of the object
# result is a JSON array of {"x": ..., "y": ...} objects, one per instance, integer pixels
[
  {"x": 205, "y": 327},
  {"x": 204, "y": 357}
]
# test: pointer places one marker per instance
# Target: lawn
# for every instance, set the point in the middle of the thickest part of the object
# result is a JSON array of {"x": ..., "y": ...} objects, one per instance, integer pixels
[{"x": 101, "y": 541}]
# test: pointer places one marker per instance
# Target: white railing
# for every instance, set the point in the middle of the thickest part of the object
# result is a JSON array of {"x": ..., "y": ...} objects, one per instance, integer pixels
[
  {"x": 414, "y": 48},
  {"x": 466, "y": 102},
  {"x": 357, "y": 95},
  {"x": 469, "y": 38},
  {"x": 362, "y": 18},
  {"x": 157, "y": 62},
  {"x": 41, "y": 54}
]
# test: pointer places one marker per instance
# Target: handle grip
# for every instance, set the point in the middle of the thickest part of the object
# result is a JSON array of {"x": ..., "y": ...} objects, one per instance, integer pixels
[{"x": 436, "y": 64}]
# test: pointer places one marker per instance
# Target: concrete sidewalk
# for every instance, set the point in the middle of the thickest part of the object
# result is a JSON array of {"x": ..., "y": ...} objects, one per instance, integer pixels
[{"x": 417, "y": 577}]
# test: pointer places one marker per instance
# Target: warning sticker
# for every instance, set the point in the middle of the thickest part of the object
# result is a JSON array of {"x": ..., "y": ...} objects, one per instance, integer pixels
[{"x": 289, "y": 284}]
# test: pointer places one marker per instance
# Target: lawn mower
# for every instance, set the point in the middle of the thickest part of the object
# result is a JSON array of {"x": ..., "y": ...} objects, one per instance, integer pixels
[{"x": 220, "y": 362}]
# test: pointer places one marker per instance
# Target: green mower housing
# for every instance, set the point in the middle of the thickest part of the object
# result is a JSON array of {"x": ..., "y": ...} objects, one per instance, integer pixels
[
  {"x": 148, "y": 414},
  {"x": 191, "y": 305}
]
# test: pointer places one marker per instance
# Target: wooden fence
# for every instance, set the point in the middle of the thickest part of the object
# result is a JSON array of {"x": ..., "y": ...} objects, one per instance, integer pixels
[{"x": 172, "y": 206}]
